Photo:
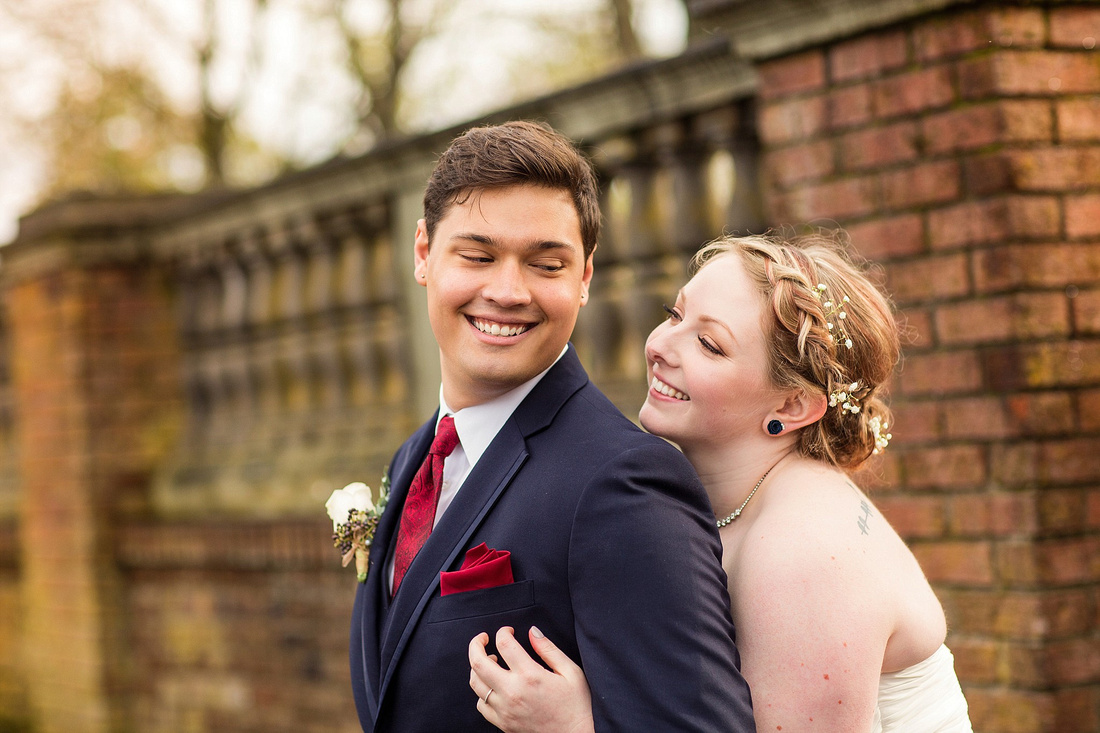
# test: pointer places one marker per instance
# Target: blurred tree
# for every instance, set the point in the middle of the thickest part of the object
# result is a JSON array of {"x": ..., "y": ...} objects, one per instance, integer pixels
[
  {"x": 113, "y": 126},
  {"x": 216, "y": 116},
  {"x": 115, "y": 132},
  {"x": 377, "y": 57},
  {"x": 630, "y": 48},
  {"x": 376, "y": 60},
  {"x": 155, "y": 94}
]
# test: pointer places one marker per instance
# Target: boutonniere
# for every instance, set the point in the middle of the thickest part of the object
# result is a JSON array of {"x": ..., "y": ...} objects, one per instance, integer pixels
[{"x": 354, "y": 518}]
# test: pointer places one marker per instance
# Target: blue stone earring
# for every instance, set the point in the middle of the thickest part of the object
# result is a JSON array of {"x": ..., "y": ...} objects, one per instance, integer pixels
[{"x": 775, "y": 427}]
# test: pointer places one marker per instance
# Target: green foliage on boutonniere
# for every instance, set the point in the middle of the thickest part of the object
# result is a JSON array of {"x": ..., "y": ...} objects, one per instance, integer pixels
[{"x": 355, "y": 516}]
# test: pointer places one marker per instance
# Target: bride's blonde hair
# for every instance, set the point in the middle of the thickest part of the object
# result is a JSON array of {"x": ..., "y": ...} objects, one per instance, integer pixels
[{"x": 812, "y": 348}]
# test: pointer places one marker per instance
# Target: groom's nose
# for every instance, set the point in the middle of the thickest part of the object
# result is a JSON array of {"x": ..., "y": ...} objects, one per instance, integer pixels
[{"x": 507, "y": 286}]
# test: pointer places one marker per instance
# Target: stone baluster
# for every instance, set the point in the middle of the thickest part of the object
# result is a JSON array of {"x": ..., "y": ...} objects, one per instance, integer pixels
[
  {"x": 187, "y": 306},
  {"x": 732, "y": 178},
  {"x": 643, "y": 286},
  {"x": 209, "y": 318},
  {"x": 389, "y": 355},
  {"x": 327, "y": 379},
  {"x": 350, "y": 257},
  {"x": 382, "y": 275},
  {"x": 598, "y": 329},
  {"x": 688, "y": 224},
  {"x": 290, "y": 345},
  {"x": 237, "y": 386},
  {"x": 257, "y": 263},
  {"x": 354, "y": 295}
]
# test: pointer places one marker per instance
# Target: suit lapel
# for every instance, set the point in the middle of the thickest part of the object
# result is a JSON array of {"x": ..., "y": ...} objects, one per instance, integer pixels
[
  {"x": 404, "y": 468},
  {"x": 479, "y": 492}
]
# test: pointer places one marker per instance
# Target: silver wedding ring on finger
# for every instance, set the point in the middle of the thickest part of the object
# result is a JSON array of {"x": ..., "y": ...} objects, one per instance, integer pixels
[{"x": 486, "y": 698}]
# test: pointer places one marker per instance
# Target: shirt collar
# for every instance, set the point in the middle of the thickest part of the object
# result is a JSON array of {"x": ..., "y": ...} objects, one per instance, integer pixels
[{"x": 477, "y": 425}]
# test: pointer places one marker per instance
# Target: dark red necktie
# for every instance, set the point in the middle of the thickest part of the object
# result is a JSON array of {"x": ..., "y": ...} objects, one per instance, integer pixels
[{"x": 419, "y": 513}]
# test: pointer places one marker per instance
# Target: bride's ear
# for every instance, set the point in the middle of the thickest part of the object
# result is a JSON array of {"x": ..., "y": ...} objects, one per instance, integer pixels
[{"x": 797, "y": 411}]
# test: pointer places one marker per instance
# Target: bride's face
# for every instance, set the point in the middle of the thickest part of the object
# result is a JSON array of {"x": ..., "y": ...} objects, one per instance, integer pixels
[{"x": 707, "y": 363}]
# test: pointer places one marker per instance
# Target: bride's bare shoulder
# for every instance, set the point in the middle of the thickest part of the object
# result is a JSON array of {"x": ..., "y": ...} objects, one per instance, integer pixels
[
  {"x": 814, "y": 518},
  {"x": 823, "y": 498}
]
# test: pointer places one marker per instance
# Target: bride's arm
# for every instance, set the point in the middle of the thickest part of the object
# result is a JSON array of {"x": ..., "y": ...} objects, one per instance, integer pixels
[
  {"x": 526, "y": 697},
  {"x": 811, "y": 624}
]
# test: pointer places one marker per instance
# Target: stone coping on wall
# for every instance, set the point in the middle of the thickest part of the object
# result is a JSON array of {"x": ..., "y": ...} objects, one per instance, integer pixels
[
  {"x": 88, "y": 229},
  {"x": 632, "y": 99},
  {"x": 761, "y": 29}
]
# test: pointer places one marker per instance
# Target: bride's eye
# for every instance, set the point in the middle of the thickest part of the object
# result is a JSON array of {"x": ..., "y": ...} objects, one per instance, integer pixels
[
  {"x": 710, "y": 347},
  {"x": 673, "y": 314}
]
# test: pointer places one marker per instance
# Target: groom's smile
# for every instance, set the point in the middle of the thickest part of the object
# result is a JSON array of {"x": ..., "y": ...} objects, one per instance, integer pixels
[
  {"x": 496, "y": 328},
  {"x": 506, "y": 277}
]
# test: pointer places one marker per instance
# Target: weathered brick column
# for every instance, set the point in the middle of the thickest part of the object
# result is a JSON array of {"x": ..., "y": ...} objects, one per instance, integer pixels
[
  {"x": 94, "y": 377},
  {"x": 960, "y": 146}
]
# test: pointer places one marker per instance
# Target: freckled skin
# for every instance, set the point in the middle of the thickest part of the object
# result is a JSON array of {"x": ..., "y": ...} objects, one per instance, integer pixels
[{"x": 863, "y": 629}]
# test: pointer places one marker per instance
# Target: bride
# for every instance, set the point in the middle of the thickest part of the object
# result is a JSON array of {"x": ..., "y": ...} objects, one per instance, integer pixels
[{"x": 768, "y": 374}]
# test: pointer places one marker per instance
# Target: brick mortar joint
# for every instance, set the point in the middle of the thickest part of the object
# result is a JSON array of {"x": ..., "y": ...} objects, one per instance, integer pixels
[{"x": 279, "y": 544}]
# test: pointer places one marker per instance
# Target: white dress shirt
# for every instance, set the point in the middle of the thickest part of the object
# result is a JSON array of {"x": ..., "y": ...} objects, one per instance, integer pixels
[{"x": 476, "y": 425}]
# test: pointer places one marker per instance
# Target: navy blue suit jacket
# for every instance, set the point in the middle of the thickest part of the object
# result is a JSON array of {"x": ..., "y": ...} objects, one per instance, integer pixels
[{"x": 615, "y": 557}]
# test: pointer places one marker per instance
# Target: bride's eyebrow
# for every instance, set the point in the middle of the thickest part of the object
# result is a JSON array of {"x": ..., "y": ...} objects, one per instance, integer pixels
[{"x": 708, "y": 319}]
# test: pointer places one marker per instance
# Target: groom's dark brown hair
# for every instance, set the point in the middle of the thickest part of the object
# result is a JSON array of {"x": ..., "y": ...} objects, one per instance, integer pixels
[{"x": 514, "y": 154}]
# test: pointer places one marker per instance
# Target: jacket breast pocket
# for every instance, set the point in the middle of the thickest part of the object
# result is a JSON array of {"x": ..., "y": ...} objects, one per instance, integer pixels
[{"x": 484, "y": 602}]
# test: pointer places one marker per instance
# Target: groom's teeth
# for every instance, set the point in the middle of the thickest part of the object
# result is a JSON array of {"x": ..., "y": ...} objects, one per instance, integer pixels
[
  {"x": 495, "y": 329},
  {"x": 669, "y": 391}
]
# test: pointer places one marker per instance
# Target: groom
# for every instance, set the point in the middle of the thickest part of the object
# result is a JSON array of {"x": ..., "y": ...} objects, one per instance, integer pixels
[{"x": 528, "y": 499}]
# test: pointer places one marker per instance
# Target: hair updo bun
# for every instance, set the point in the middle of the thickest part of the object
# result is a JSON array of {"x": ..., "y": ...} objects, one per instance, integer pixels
[{"x": 828, "y": 330}]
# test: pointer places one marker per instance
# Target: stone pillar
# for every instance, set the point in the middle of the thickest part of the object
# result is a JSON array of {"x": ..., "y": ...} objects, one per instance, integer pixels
[
  {"x": 95, "y": 380},
  {"x": 960, "y": 147},
  {"x": 408, "y": 208}
]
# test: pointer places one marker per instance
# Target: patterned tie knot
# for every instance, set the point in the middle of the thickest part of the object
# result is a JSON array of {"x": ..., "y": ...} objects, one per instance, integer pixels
[{"x": 446, "y": 438}]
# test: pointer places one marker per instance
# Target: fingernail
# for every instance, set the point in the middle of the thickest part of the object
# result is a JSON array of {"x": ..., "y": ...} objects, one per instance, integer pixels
[{"x": 536, "y": 633}]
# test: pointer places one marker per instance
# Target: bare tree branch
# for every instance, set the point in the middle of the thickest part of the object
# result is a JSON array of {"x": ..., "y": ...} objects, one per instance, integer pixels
[{"x": 623, "y": 13}]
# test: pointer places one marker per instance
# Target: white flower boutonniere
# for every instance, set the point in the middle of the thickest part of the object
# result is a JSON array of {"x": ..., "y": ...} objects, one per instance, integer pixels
[{"x": 354, "y": 518}]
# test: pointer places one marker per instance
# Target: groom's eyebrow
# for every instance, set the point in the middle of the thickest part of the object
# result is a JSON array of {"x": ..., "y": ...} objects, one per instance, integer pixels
[{"x": 536, "y": 246}]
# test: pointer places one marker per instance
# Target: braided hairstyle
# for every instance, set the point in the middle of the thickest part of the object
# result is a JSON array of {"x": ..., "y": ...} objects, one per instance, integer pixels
[{"x": 814, "y": 349}]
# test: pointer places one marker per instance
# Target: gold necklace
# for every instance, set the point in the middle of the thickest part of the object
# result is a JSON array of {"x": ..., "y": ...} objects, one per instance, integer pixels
[{"x": 738, "y": 510}]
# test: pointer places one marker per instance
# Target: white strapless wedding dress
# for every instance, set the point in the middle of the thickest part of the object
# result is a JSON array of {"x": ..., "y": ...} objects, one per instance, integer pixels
[{"x": 924, "y": 698}]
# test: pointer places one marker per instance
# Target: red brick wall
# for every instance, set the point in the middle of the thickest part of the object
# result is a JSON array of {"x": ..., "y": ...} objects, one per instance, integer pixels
[
  {"x": 62, "y": 559},
  {"x": 962, "y": 153},
  {"x": 136, "y": 622},
  {"x": 14, "y": 710},
  {"x": 238, "y": 627},
  {"x": 961, "y": 150},
  {"x": 94, "y": 371}
]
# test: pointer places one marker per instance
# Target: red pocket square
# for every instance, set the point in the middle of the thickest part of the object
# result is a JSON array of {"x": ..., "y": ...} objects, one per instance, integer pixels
[{"x": 482, "y": 568}]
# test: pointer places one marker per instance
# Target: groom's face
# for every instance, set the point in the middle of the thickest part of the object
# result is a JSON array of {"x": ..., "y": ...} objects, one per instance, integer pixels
[{"x": 506, "y": 277}]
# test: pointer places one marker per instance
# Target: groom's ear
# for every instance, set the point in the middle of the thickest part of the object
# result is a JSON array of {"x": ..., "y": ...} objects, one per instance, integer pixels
[
  {"x": 586, "y": 278},
  {"x": 799, "y": 409},
  {"x": 420, "y": 253}
]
